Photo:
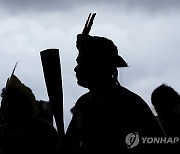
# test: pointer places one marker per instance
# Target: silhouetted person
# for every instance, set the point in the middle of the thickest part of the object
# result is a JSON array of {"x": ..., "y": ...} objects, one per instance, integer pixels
[
  {"x": 22, "y": 131},
  {"x": 166, "y": 102},
  {"x": 104, "y": 116}
]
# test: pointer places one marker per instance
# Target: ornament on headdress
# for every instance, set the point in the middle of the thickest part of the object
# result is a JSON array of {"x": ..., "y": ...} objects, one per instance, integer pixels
[{"x": 97, "y": 47}]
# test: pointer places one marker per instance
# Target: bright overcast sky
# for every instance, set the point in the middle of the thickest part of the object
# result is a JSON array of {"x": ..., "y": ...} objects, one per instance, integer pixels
[{"x": 146, "y": 32}]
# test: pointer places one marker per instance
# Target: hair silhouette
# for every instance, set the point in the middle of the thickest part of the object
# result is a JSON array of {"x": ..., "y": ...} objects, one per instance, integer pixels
[{"x": 166, "y": 102}]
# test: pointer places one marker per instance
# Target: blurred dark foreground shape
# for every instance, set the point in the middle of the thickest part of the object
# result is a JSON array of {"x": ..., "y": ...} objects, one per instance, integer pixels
[
  {"x": 22, "y": 130},
  {"x": 51, "y": 65}
]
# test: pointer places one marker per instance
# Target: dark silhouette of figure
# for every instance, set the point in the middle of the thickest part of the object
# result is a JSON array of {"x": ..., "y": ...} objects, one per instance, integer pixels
[
  {"x": 104, "y": 118},
  {"x": 22, "y": 131},
  {"x": 45, "y": 110},
  {"x": 166, "y": 102}
]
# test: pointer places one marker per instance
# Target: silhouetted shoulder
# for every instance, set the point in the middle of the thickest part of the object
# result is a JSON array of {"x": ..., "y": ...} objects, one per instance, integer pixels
[
  {"x": 131, "y": 97},
  {"x": 119, "y": 98},
  {"x": 137, "y": 112},
  {"x": 82, "y": 101}
]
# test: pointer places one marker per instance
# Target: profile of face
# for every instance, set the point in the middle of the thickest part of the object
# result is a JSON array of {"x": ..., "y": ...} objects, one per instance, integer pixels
[
  {"x": 97, "y": 59},
  {"x": 87, "y": 72},
  {"x": 92, "y": 74}
]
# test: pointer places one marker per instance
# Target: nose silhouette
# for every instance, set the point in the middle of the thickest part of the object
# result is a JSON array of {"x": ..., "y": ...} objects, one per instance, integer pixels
[{"x": 75, "y": 69}]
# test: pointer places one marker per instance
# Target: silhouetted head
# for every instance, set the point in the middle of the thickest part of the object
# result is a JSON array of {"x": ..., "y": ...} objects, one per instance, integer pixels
[
  {"x": 166, "y": 102},
  {"x": 97, "y": 59},
  {"x": 18, "y": 101},
  {"x": 99, "y": 49}
]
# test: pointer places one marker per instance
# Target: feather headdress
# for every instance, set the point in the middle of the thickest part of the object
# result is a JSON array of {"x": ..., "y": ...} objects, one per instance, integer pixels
[{"x": 14, "y": 83}]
